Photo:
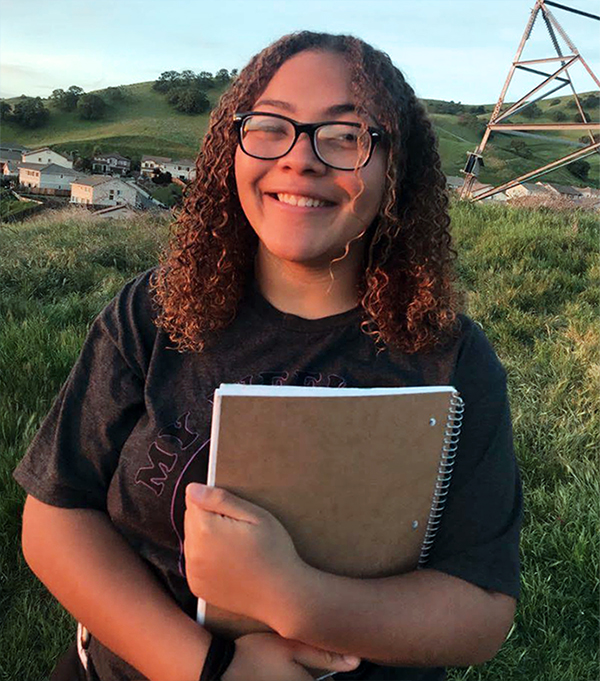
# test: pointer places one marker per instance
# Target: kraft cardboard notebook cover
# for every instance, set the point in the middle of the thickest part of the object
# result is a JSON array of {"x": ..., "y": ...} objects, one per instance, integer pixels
[{"x": 354, "y": 475}]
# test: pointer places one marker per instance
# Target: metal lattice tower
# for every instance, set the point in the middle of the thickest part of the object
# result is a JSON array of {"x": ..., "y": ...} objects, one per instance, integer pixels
[{"x": 561, "y": 76}]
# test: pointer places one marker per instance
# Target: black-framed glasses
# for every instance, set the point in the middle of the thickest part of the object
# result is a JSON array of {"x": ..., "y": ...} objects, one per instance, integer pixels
[{"x": 338, "y": 144}]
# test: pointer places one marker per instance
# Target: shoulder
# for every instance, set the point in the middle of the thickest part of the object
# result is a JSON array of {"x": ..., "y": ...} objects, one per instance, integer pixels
[
  {"x": 478, "y": 372},
  {"x": 128, "y": 321}
]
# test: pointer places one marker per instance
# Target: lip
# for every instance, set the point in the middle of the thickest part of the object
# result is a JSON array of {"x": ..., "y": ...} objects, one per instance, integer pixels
[{"x": 271, "y": 200}]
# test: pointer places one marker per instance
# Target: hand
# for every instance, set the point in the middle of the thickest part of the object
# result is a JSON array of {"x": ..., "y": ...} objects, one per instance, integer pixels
[
  {"x": 238, "y": 556},
  {"x": 269, "y": 657}
]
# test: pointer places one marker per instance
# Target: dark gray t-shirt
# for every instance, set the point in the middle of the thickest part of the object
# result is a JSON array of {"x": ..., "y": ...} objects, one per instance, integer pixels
[{"x": 130, "y": 429}]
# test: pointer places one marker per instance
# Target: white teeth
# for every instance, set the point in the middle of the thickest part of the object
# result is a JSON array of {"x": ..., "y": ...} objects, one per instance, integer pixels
[{"x": 302, "y": 201}]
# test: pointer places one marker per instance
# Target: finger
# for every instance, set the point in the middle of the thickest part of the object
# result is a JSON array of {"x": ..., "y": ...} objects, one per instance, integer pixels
[
  {"x": 308, "y": 656},
  {"x": 220, "y": 501}
]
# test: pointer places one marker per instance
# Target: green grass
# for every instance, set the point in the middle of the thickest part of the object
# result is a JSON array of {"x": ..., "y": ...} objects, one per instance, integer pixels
[
  {"x": 11, "y": 208},
  {"x": 143, "y": 123},
  {"x": 531, "y": 279}
]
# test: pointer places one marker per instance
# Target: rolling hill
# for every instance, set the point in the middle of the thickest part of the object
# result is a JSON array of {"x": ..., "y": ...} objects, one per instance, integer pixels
[{"x": 144, "y": 123}]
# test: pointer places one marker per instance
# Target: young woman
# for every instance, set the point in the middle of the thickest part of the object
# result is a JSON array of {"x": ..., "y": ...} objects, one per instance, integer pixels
[{"x": 312, "y": 249}]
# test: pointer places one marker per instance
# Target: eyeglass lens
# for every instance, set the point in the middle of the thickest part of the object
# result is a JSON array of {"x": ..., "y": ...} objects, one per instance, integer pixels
[{"x": 339, "y": 145}]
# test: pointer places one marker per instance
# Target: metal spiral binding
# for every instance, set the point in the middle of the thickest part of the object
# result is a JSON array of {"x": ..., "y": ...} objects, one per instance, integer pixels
[{"x": 442, "y": 485}]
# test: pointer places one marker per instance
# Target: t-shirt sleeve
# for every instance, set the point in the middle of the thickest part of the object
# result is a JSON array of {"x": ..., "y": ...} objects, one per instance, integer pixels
[
  {"x": 478, "y": 539},
  {"x": 73, "y": 456}
]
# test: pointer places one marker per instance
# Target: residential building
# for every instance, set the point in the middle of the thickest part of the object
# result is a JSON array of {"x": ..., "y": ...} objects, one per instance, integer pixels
[
  {"x": 9, "y": 159},
  {"x": 151, "y": 163},
  {"x": 527, "y": 189},
  {"x": 112, "y": 163},
  {"x": 46, "y": 176},
  {"x": 183, "y": 168},
  {"x": 561, "y": 190},
  {"x": 103, "y": 190},
  {"x": 46, "y": 155}
]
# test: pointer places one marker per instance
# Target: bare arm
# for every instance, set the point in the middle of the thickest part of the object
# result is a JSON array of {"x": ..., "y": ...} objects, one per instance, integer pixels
[
  {"x": 94, "y": 573},
  {"x": 423, "y": 618},
  {"x": 103, "y": 583}
]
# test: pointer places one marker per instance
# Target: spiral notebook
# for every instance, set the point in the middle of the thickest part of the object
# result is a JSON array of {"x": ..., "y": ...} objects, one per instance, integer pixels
[{"x": 358, "y": 477}]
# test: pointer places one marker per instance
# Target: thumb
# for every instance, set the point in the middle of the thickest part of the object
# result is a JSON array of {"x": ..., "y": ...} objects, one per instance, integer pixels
[
  {"x": 220, "y": 501},
  {"x": 316, "y": 658}
]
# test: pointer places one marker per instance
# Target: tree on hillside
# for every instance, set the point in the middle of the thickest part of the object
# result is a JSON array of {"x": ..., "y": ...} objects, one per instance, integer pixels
[
  {"x": 558, "y": 115},
  {"x": 531, "y": 111},
  {"x": 166, "y": 81},
  {"x": 189, "y": 100},
  {"x": 205, "y": 80},
  {"x": 30, "y": 112},
  {"x": 5, "y": 111},
  {"x": 520, "y": 148},
  {"x": 580, "y": 169},
  {"x": 115, "y": 94},
  {"x": 91, "y": 107},
  {"x": 221, "y": 77},
  {"x": 66, "y": 100},
  {"x": 233, "y": 74},
  {"x": 471, "y": 121},
  {"x": 591, "y": 101}
]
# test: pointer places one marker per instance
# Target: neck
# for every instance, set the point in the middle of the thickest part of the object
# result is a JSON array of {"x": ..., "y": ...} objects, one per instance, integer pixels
[{"x": 309, "y": 291}]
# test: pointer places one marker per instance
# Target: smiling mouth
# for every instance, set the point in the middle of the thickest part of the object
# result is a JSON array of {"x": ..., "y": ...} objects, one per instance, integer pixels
[{"x": 300, "y": 201}]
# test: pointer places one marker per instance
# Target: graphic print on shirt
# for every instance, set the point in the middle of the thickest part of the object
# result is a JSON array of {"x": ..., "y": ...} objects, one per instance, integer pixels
[{"x": 177, "y": 443}]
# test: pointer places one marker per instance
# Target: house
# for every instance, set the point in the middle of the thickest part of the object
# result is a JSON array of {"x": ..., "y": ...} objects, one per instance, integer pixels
[
  {"x": 150, "y": 163},
  {"x": 183, "y": 168},
  {"x": 588, "y": 192},
  {"x": 12, "y": 157},
  {"x": 11, "y": 146},
  {"x": 46, "y": 155},
  {"x": 456, "y": 183},
  {"x": 561, "y": 190},
  {"x": 526, "y": 189},
  {"x": 453, "y": 182},
  {"x": 46, "y": 176},
  {"x": 9, "y": 169},
  {"x": 104, "y": 190},
  {"x": 112, "y": 163}
]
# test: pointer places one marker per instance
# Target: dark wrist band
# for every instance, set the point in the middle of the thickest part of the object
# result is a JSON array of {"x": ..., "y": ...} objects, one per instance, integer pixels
[{"x": 219, "y": 656}]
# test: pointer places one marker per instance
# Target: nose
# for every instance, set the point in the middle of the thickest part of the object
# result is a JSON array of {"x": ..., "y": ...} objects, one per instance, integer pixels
[{"x": 302, "y": 158}]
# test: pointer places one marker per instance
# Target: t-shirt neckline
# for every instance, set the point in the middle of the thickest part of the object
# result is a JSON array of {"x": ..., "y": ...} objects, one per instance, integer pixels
[{"x": 261, "y": 307}]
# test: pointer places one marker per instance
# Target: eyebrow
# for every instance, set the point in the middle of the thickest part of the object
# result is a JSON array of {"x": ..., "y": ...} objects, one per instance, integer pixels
[{"x": 286, "y": 106}]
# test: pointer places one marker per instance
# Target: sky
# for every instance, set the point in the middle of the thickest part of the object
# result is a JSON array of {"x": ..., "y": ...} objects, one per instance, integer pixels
[{"x": 457, "y": 50}]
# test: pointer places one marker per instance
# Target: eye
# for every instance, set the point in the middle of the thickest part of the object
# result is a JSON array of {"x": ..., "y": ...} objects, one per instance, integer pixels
[
  {"x": 264, "y": 125},
  {"x": 342, "y": 136}
]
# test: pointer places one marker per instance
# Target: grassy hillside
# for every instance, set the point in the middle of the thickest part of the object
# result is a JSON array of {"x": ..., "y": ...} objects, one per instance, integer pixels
[
  {"x": 501, "y": 161},
  {"x": 145, "y": 123},
  {"x": 532, "y": 279}
]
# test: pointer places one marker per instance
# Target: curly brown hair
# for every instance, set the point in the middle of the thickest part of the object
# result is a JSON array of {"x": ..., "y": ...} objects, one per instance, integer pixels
[{"x": 406, "y": 290}]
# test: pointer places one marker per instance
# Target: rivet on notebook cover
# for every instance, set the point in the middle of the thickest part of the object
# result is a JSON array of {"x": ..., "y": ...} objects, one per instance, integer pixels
[
  {"x": 415, "y": 524},
  {"x": 432, "y": 421}
]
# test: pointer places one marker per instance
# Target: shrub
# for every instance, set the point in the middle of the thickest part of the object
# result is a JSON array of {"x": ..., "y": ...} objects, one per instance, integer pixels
[
  {"x": 558, "y": 115},
  {"x": 580, "y": 169},
  {"x": 189, "y": 100},
  {"x": 30, "y": 112},
  {"x": 91, "y": 107}
]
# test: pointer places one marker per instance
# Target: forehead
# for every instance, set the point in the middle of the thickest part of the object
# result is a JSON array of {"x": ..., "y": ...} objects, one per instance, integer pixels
[{"x": 311, "y": 83}]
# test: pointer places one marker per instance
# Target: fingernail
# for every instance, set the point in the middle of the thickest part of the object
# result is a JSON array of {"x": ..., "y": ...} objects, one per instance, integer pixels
[
  {"x": 351, "y": 660},
  {"x": 196, "y": 490}
]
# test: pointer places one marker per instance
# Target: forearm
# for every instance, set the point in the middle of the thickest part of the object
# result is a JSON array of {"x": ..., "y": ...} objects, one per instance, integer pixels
[
  {"x": 423, "y": 618},
  {"x": 101, "y": 581}
]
